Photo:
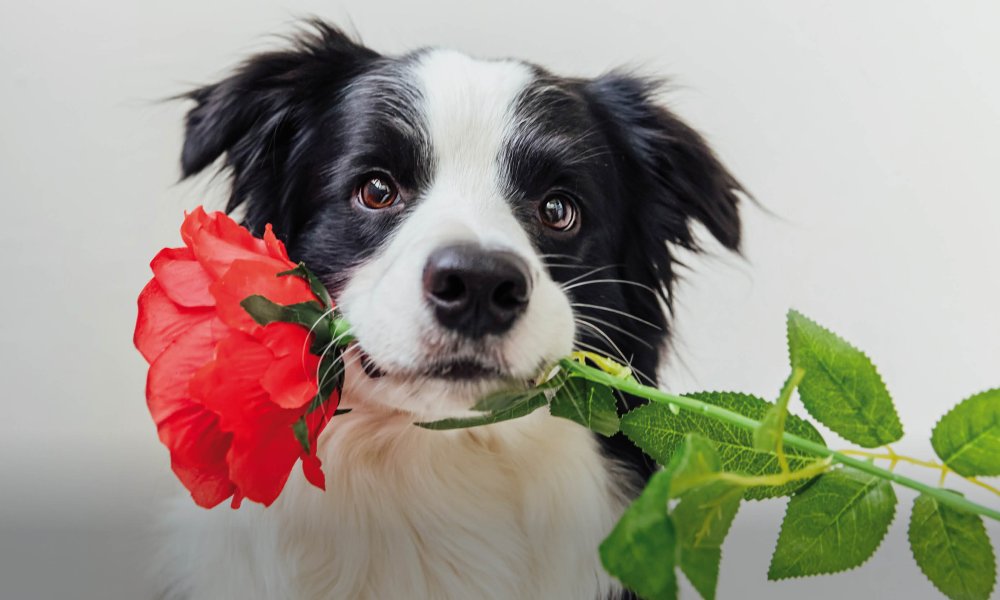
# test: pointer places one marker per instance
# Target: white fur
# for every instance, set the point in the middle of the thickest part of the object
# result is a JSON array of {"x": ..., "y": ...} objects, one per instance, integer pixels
[{"x": 513, "y": 510}]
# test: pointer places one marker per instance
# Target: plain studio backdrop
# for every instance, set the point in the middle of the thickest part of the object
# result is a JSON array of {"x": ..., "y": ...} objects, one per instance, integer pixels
[{"x": 871, "y": 131}]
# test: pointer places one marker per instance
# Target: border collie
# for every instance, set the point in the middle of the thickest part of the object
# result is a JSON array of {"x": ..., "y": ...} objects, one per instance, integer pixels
[{"x": 475, "y": 220}]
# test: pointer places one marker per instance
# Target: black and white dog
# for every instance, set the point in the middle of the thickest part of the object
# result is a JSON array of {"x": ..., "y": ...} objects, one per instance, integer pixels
[{"x": 475, "y": 220}]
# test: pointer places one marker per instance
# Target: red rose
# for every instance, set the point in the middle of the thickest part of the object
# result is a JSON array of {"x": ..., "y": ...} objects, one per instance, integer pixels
[{"x": 234, "y": 401}]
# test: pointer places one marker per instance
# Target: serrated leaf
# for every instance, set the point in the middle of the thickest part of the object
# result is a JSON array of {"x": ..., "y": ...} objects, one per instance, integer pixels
[
  {"x": 967, "y": 438},
  {"x": 590, "y": 404},
  {"x": 521, "y": 407},
  {"x": 502, "y": 400},
  {"x": 952, "y": 549},
  {"x": 641, "y": 549},
  {"x": 659, "y": 432},
  {"x": 702, "y": 519},
  {"x": 841, "y": 387},
  {"x": 835, "y": 524}
]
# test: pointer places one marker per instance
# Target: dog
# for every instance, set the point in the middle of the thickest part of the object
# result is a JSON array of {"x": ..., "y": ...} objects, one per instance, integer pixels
[{"x": 475, "y": 220}]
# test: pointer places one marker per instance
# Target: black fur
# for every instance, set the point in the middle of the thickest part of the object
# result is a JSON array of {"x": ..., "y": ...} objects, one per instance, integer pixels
[{"x": 298, "y": 129}]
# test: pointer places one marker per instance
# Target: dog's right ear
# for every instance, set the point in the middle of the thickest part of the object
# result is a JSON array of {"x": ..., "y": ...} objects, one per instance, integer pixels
[{"x": 254, "y": 116}]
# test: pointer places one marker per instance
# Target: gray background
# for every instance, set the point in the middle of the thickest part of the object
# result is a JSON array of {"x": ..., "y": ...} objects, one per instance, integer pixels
[{"x": 871, "y": 129}]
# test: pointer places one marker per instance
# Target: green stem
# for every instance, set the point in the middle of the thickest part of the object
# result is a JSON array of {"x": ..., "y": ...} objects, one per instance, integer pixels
[{"x": 727, "y": 416}]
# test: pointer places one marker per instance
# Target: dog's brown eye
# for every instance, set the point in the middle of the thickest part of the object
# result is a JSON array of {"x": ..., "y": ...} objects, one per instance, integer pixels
[
  {"x": 558, "y": 212},
  {"x": 377, "y": 192}
]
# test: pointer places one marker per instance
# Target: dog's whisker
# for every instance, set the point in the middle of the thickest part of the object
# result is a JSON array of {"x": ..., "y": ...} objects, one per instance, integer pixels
[
  {"x": 621, "y": 330},
  {"x": 557, "y": 266},
  {"x": 606, "y": 338},
  {"x": 617, "y": 312},
  {"x": 569, "y": 256},
  {"x": 567, "y": 285},
  {"x": 321, "y": 380},
  {"x": 610, "y": 281}
]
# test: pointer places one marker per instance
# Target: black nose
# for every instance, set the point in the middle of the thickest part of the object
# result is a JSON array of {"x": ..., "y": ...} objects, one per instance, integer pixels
[{"x": 476, "y": 291}]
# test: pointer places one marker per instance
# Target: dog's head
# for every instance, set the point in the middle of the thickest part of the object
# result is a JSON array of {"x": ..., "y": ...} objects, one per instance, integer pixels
[{"x": 475, "y": 220}]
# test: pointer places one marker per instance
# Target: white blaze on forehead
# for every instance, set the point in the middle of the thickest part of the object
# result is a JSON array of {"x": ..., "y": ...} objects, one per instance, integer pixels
[{"x": 469, "y": 107}]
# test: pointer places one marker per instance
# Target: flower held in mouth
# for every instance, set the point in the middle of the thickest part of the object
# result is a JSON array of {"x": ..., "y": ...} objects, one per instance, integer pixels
[{"x": 239, "y": 385}]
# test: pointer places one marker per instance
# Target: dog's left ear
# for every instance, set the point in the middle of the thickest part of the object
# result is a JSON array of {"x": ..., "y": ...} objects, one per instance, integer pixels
[
  {"x": 672, "y": 174},
  {"x": 261, "y": 117}
]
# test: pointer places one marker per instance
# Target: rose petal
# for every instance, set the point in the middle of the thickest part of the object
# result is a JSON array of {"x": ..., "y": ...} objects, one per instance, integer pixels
[
  {"x": 275, "y": 247},
  {"x": 198, "y": 452},
  {"x": 291, "y": 377},
  {"x": 287, "y": 339},
  {"x": 261, "y": 460},
  {"x": 169, "y": 377},
  {"x": 255, "y": 277},
  {"x": 288, "y": 384},
  {"x": 194, "y": 221},
  {"x": 229, "y": 385},
  {"x": 182, "y": 277},
  {"x": 313, "y": 471},
  {"x": 197, "y": 446},
  {"x": 219, "y": 241},
  {"x": 160, "y": 321}
]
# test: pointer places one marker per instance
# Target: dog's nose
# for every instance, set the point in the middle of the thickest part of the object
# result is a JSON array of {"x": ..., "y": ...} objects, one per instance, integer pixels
[{"x": 476, "y": 291}]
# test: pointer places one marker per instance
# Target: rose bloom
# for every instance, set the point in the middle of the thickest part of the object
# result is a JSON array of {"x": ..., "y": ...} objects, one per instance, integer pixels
[{"x": 223, "y": 391}]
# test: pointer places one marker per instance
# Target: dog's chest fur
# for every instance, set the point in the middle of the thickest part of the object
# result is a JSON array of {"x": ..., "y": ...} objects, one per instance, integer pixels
[{"x": 512, "y": 510}]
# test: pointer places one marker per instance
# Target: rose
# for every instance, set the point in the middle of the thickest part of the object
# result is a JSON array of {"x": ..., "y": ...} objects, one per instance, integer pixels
[{"x": 237, "y": 403}]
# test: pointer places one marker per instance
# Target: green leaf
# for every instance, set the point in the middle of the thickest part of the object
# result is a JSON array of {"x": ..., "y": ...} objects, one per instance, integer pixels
[
  {"x": 590, "y": 404},
  {"x": 835, "y": 524},
  {"x": 301, "y": 431},
  {"x": 641, "y": 549},
  {"x": 505, "y": 398},
  {"x": 700, "y": 523},
  {"x": 522, "y": 406},
  {"x": 952, "y": 549},
  {"x": 502, "y": 400},
  {"x": 705, "y": 511},
  {"x": 841, "y": 387},
  {"x": 967, "y": 439},
  {"x": 702, "y": 519},
  {"x": 693, "y": 464},
  {"x": 318, "y": 289},
  {"x": 659, "y": 432}
]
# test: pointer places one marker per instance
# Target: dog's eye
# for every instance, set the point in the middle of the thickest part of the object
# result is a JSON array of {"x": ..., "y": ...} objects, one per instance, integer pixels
[
  {"x": 377, "y": 191},
  {"x": 558, "y": 212}
]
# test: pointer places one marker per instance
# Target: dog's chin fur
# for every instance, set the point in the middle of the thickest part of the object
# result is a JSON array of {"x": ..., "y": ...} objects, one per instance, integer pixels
[{"x": 513, "y": 510}]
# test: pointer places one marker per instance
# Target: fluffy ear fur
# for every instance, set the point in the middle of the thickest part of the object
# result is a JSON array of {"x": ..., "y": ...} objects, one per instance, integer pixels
[
  {"x": 671, "y": 177},
  {"x": 262, "y": 114}
]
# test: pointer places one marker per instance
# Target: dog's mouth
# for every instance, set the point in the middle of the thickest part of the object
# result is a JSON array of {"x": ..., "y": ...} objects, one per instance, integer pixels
[{"x": 452, "y": 369}]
